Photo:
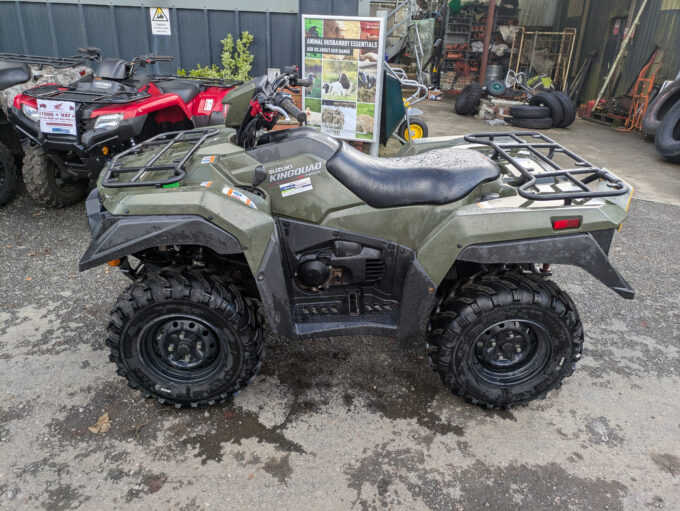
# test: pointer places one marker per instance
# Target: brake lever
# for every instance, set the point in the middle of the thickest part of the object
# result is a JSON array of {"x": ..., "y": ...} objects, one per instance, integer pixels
[
  {"x": 293, "y": 89},
  {"x": 278, "y": 109}
]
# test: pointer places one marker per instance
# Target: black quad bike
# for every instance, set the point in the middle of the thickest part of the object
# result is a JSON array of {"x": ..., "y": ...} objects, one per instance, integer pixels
[{"x": 454, "y": 237}]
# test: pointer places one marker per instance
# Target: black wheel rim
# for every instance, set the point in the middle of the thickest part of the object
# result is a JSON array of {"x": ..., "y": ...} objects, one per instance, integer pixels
[
  {"x": 182, "y": 348},
  {"x": 511, "y": 352},
  {"x": 2, "y": 176},
  {"x": 59, "y": 181}
]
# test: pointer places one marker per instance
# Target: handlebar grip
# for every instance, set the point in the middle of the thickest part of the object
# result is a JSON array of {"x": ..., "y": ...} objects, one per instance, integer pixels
[
  {"x": 161, "y": 58},
  {"x": 290, "y": 107},
  {"x": 303, "y": 82}
]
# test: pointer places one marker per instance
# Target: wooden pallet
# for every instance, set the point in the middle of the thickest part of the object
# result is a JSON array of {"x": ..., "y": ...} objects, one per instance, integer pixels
[{"x": 607, "y": 119}]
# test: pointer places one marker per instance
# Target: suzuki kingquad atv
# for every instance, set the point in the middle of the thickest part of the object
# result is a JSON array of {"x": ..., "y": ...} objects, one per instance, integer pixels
[
  {"x": 19, "y": 72},
  {"x": 455, "y": 235},
  {"x": 112, "y": 110}
]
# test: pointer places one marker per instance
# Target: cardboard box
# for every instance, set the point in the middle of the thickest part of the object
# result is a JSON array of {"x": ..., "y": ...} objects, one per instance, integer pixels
[{"x": 435, "y": 95}]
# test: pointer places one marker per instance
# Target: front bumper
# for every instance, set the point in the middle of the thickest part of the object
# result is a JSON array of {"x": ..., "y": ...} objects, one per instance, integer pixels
[{"x": 87, "y": 145}]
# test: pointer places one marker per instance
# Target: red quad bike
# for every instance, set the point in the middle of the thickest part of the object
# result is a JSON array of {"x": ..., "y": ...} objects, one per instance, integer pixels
[{"x": 75, "y": 130}]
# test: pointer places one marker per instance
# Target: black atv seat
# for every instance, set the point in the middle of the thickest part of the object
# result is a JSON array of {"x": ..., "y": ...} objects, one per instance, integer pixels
[
  {"x": 439, "y": 176},
  {"x": 185, "y": 89},
  {"x": 13, "y": 73}
]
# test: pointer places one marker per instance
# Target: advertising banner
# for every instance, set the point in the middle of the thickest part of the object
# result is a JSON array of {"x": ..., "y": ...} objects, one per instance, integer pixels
[{"x": 344, "y": 57}]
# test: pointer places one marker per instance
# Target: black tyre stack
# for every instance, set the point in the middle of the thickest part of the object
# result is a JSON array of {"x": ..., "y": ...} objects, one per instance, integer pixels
[
  {"x": 545, "y": 110},
  {"x": 662, "y": 122}
]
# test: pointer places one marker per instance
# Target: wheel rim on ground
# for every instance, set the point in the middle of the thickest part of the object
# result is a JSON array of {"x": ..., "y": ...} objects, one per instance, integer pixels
[
  {"x": 511, "y": 352},
  {"x": 182, "y": 348},
  {"x": 417, "y": 132}
]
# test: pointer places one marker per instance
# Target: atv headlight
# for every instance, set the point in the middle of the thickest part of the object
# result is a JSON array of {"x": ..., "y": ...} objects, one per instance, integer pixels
[
  {"x": 30, "y": 112},
  {"x": 108, "y": 121}
]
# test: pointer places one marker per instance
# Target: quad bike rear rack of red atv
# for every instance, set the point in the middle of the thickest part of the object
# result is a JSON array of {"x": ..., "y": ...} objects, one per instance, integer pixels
[
  {"x": 545, "y": 149},
  {"x": 39, "y": 60},
  {"x": 165, "y": 142},
  {"x": 69, "y": 93}
]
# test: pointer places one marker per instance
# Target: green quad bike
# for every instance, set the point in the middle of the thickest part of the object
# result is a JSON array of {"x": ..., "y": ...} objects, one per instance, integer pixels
[{"x": 455, "y": 236}]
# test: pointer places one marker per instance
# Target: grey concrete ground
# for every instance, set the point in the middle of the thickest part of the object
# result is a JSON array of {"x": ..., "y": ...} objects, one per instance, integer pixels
[{"x": 342, "y": 423}]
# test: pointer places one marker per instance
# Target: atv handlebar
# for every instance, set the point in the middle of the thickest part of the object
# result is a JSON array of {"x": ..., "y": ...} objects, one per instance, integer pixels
[
  {"x": 303, "y": 82},
  {"x": 290, "y": 107}
]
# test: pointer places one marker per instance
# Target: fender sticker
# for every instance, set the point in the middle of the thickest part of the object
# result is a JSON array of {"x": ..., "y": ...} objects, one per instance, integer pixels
[
  {"x": 235, "y": 194},
  {"x": 287, "y": 173},
  {"x": 208, "y": 159},
  {"x": 206, "y": 184},
  {"x": 295, "y": 187}
]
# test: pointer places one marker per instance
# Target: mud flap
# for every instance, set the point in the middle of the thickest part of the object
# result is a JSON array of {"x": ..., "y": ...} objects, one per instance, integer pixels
[{"x": 580, "y": 249}]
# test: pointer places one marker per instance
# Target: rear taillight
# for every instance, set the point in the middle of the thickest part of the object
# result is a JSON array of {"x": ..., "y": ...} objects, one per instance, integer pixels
[{"x": 566, "y": 223}]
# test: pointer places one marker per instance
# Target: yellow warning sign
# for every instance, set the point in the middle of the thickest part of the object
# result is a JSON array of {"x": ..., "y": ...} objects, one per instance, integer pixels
[{"x": 160, "y": 21}]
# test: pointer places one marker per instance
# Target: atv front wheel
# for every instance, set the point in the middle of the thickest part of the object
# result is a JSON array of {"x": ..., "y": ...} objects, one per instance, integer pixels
[
  {"x": 41, "y": 176},
  {"x": 506, "y": 338},
  {"x": 185, "y": 339}
]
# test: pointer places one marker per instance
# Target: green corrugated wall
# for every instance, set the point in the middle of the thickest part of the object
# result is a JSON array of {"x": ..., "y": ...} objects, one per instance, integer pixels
[{"x": 659, "y": 25}]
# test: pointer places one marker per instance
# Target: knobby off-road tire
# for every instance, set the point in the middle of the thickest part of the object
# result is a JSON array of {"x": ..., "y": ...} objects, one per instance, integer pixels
[
  {"x": 667, "y": 139},
  {"x": 467, "y": 101},
  {"x": 8, "y": 175},
  {"x": 505, "y": 338},
  {"x": 534, "y": 124},
  {"x": 568, "y": 109},
  {"x": 529, "y": 112},
  {"x": 659, "y": 107},
  {"x": 40, "y": 177},
  {"x": 185, "y": 339},
  {"x": 549, "y": 100}
]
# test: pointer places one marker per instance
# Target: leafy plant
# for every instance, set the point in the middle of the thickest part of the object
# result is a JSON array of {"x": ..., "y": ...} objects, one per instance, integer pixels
[{"x": 236, "y": 65}]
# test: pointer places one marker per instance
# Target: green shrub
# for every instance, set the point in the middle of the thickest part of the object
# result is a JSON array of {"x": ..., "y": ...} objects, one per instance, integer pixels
[{"x": 235, "y": 65}]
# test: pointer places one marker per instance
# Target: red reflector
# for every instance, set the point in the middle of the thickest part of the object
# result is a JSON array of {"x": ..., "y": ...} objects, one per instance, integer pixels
[{"x": 567, "y": 223}]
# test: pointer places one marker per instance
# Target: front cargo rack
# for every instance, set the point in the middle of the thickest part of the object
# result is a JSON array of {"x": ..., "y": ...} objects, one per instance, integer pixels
[
  {"x": 164, "y": 142},
  {"x": 70, "y": 93},
  {"x": 581, "y": 175},
  {"x": 39, "y": 60}
]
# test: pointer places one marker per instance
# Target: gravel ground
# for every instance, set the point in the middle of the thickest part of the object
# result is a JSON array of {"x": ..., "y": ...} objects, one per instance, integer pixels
[{"x": 360, "y": 422}]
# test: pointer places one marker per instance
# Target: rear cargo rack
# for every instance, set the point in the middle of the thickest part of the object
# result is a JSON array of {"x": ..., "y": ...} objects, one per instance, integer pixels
[
  {"x": 70, "y": 93},
  {"x": 39, "y": 60},
  {"x": 164, "y": 143},
  {"x": 213, "y": 82},
  {"x": 581, "y": 175}
]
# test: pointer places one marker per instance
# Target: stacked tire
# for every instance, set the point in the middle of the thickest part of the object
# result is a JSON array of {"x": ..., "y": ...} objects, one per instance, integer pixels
[
  {"x": 667, "y": 137},
  {"x": 659, "y": 108},
  {"x": 545, "y": 110}
]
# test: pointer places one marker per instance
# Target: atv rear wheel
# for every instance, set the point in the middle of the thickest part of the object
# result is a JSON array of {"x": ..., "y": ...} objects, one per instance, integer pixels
[
  {"x": 41, "y": 176},
  {"x": 8, "y": 175},
  {"x": 185, "y": 339},
  {"x": 506, "y": 338}
]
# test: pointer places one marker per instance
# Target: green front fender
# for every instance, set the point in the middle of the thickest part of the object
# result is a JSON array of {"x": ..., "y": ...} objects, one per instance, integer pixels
[{"x": 251, "y": 227}]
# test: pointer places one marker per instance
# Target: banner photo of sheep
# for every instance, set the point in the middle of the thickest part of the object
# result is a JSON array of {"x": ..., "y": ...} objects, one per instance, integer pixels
[{"x": 342, "y": 59}]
